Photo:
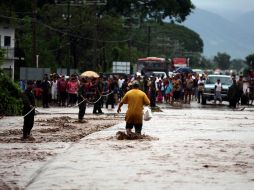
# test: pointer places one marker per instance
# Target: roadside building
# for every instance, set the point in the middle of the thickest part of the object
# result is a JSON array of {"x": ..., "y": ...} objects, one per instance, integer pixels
[{"x": 7, "y": 43}]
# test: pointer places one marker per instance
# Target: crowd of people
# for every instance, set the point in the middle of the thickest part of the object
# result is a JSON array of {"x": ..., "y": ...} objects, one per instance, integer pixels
[
  {"x": 109, "y": 91},
  {"x": 57, "y": 90}
]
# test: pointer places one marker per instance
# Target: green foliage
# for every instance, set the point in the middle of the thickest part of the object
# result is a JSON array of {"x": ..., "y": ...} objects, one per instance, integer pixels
[
  {"x": 93, "y": 36},
  {"x": 1, "y": 56},
  {"x": 237, "y": 64},
  {"x": 250, "y": 61},
  {"x": 222, "y": 60},
  {"x": 206, "y": 63},
  {"x": 200, "y": 62},
  {"x": 11, "y": 103},
  {"x": 167, "y": 40},
  {"x": 176, "y": 10},
  {"x": 10, "y": 94}
]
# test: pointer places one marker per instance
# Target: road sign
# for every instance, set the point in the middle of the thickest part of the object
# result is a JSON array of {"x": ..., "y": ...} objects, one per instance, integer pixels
[{"x": 121, "y": 67}]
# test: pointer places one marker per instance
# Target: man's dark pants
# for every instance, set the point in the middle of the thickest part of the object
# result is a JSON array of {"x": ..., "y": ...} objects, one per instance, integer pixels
[
  {"x": 82, "y": 109},
  {"x": 28, "y": 123}
]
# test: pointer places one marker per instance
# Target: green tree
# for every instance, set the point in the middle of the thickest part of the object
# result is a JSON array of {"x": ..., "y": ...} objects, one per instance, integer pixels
[
  {"x": 176, "y": 10},
  {"x": 207, "y": 63},
  {"x": 195, "y": 61},
  {"x": 9, "y": 94},
  {"x": 1, "y": 56},
  {"x": 250, "y": 61},
  {"x": 237, "y": 64},
  {"x": 93, "y": 33},
  {"x": 222, "y": 60},
  {"x": 167, "y": 40}
]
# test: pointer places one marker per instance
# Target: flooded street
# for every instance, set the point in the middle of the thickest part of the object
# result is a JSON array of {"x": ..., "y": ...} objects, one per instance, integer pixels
[
  {"x": 193, "y": 147},
  {"x": 181, "y": 73}
]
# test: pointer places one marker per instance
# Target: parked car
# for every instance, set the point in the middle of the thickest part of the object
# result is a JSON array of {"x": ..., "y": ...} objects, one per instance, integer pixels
[
  {"x": 200, "y": 72},
  {"x": 171, "y": 74},
  {"x": 110, "y": 75},
  {"x": 157, "y": 74},
  {"x": 209, "y": 88}
]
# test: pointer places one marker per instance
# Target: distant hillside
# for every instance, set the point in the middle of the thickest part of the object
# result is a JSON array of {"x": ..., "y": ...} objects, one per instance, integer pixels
[
  {"x": 221, "y": 35},
  {"x": 246, "y": 22}
]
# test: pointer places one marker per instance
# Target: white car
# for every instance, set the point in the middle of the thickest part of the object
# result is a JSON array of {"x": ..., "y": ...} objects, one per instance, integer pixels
[
  {"x": 209, "y": 93},
  {"x": 200, "y": 72},
  {"x": 171, "y": 74},
  {"x": 157, "y": 74}
]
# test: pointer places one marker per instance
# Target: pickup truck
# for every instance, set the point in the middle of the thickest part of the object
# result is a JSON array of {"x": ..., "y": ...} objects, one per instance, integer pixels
[{"x": 209, "y": 87}]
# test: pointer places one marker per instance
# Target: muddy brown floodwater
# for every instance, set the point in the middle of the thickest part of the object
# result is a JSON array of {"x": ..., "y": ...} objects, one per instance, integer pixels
[
  {"x": 53, "y": 134},
  {"x": 188, "y": 147}
]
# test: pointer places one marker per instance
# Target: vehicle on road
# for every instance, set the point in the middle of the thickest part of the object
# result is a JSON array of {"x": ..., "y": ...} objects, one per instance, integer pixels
[
  {"x": 157, "y": 74},
  {"x": 209, "y": 88},
  {"x": 180, "y": 62},
  {"x": 200, "y": 72},
  {"x": 151, "y": 64}
]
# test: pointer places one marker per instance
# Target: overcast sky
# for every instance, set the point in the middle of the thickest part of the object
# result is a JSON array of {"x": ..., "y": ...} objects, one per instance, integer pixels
[
  {"x": 225, "y": 7},
  {"x": 241, "y": 5}
]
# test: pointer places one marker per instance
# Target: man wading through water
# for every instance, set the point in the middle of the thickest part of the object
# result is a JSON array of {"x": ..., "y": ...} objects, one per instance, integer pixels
[
  {"x": 28, "y": 111},
  {"x": 135, "y": 99},
  {"x": 82, "y": 99}
]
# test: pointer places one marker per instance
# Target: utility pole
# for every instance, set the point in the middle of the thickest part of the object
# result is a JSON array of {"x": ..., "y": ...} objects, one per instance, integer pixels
[
  {"x": 77, "y": 3},
  {"x": 148, "y": 40},
  {"x": 95, "y": 42},
  {"x": 34, "y": 46},
  {"x": 69, "y": 38},
  {"x": 67, "y": 17},
  {"x": 129, "y": 47}
]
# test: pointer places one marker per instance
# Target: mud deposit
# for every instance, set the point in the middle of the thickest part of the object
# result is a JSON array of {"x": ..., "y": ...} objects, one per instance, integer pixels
[
  {"x": 59, "y": 129},
  {"x": 53, "y": 134},
  {"x": 208, "y": 148},
  {"x": 121, "y": 135}
]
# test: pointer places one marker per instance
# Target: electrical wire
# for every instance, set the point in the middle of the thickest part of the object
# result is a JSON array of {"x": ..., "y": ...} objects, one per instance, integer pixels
[
  {"x": 67, "y": 33},
  {"x": 61, "y": 47},
  {"x": 82, "y": 37}
]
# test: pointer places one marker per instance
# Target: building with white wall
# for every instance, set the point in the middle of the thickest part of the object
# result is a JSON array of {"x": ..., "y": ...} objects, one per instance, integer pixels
[{"x": 7, "y": 42}]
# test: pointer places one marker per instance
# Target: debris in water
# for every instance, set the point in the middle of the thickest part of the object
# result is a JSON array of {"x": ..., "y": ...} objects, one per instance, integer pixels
[{"x": 120, "y": 135}]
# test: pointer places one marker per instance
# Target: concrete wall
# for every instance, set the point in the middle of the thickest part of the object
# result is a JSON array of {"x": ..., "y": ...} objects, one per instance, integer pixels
[
  {"x": 9, "y": 57},
  {"x": 7, "y": 31}
]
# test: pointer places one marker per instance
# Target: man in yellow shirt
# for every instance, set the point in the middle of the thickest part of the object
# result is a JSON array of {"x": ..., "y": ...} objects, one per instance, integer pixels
[{"x": 135, "y": 99}]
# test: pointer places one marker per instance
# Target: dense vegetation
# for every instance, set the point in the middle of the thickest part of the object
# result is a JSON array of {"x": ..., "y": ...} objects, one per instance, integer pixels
[
  {"x": 9, "y": 94},
  {"x": 91, "y": 37}
]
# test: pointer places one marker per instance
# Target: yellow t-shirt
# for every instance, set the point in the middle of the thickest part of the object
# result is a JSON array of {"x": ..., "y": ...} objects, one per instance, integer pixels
[{"x": 135, "y": 99}]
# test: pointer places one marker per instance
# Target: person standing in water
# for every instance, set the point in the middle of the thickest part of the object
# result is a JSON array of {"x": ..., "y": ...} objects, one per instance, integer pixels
[
  {"x": 28, "y": 111},
  {"x": 135, "y": 99}
]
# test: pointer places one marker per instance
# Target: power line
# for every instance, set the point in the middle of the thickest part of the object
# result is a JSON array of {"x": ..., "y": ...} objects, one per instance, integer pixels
[
  {"x": 64, "y": 32},
  {"x": 61, "y": 47},
  {"x": 34, "y": 29},
  {"x": 13, "y": 18},
  {"x": 82, "y": 37}
]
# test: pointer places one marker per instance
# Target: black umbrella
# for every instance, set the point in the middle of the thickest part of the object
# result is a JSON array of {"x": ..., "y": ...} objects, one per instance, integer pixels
[{"x": 183, "y": 70}]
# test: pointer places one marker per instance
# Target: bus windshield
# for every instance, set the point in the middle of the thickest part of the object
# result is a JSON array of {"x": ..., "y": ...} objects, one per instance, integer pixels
[{"x": 151, "y": 64}]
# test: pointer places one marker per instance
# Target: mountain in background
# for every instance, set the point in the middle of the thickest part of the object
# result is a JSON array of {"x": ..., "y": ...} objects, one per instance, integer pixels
[
  {"x": 245, "y": 21},
  {"x": 235, "y": 38}
]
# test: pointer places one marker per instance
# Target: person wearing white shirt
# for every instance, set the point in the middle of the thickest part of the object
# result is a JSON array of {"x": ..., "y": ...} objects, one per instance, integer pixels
[
  {"x": 54, "y": 90},
  {"x": 201, "y": 85},
  {"x": 217, "y": 91}
]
